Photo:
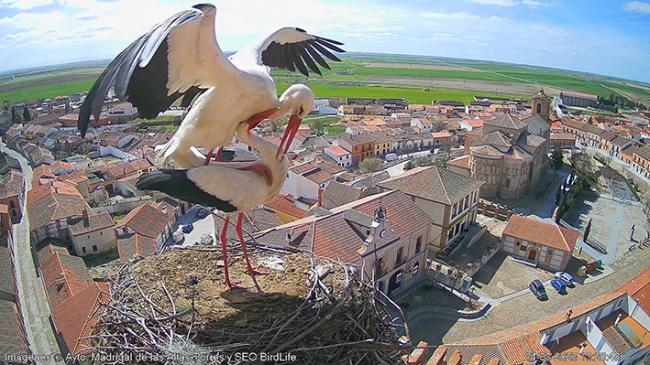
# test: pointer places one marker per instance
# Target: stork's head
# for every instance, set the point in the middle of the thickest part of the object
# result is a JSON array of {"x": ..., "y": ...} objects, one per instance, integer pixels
[{"x": 298, "y": 102}]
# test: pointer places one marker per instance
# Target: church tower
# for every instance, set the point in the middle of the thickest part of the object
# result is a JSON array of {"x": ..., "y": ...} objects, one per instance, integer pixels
[{"x": 541, "y": 105}]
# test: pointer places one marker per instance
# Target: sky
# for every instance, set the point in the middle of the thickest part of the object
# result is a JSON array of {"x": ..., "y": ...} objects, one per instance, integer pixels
[{"x": 601, "y": 36}]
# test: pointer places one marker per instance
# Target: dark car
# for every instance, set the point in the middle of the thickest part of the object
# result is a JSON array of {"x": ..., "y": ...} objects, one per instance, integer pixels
[
  {"x": 187, "y": 228},
  {"x": 202, "y": 213},
  {"x": 537, "y": 288},
  {"x": 558, "y": 285}
]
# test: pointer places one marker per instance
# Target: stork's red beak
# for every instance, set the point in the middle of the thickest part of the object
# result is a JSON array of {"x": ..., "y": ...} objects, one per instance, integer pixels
[
  {"x": 289, "y": 134},
  {"x": 258, "y": 118}
]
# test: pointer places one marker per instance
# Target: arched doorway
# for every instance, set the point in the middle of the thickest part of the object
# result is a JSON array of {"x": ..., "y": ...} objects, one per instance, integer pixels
[
  {"x": 395, "y": 281},
  {"x": 532, "y": 254}
]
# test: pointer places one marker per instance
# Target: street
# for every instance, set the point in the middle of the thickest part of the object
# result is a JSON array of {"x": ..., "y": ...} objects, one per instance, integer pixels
[
  {"x": 526, "y": 308},
  {"x": 201, "y": 225},
  {"x": 31, "y": 294}
]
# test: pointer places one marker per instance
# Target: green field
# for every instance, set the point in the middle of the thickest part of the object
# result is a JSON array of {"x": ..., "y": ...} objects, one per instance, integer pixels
[{"x": 419, "y": 79}]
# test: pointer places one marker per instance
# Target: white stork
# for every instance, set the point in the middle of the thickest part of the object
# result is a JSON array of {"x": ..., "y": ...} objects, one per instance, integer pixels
[
  {"x": 231, "y": 187},
  {"x": 181, "y": 58}
]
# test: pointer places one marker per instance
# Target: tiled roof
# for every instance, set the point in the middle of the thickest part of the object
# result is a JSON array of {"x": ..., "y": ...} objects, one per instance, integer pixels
[
  {"x": 282, "y": 204},
  {"x": 534, "y": 140},
  {"x": 135, "y": 244},
  {"x": 11, "y": 340},
  {"x": 52, "y": 202},
  {"x": 333, "y": 236},
  {"x": 263, "y": 219},
  {"x": 462, "y": 161},
  {"x": 95, "y": 222},
  {"x": 337, "y": 194},
  {"x": 76, "y": 317},
  {"x": 145, "y": 220},
  {"x": 496, "y": 139},
  {"x": 580, "y": 95},
  {"x": 543, "y": 233},
  {"x": 433, "y": 183},
  {"x": 63, "y": 275},
  {"x": 536, "y": 124},
  {"x": 441, "y": 134},
  {"x": 621, "y": 141},
  {"x": 608, "y": 136},
  {"x": 643, "y": 152},
  {"x": 486, "y": 150},
  {"x": 582, "y": 126},
  {"x": 506, "y": 120},
  {"x": 11, "y": 184},
  {"x": 6, "y": 273},
  {"x": 639, "y": 289},
  {"x": 337, "y": 150},
  {"x": 562, "y": 136}
]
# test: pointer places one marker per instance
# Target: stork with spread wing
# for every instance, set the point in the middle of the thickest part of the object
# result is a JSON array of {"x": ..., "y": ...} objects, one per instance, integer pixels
[{"x": 181, "y": 58}]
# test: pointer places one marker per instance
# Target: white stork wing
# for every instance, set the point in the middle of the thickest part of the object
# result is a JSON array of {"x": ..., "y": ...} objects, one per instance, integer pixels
[
  {"x": 177, "y": 55},
  {"x": 293, "y": 48}
]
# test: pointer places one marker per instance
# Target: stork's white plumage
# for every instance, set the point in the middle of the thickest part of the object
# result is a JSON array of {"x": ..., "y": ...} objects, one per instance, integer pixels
[
  {"x": 228, "y": 186},
  {"x": 182, "y": 58}
]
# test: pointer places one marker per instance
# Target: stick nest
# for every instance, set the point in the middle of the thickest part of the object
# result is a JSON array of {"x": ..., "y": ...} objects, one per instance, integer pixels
[{"x": 174, "y": 308}]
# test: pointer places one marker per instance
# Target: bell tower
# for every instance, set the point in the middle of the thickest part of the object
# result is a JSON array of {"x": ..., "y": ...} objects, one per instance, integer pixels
[{"x": 541, "y": 105}]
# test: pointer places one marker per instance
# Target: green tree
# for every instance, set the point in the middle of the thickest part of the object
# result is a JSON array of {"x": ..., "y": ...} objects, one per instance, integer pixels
[
  {"x": 26, "y": 116},
  {"x": 557, "y": 159},
  {"x": 371, "y": 165}
]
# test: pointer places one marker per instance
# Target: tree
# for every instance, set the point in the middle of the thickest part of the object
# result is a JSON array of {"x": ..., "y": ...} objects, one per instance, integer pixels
[
  {"x": 26, "y": 116},
  {"x": 557, "y": 159},
  {"x": 371, "y": 165},
  {"x": 587, "y": 230}
]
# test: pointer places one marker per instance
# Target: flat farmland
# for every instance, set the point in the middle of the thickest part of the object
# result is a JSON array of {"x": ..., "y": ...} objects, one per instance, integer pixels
[{"x": 420, "y": 79}]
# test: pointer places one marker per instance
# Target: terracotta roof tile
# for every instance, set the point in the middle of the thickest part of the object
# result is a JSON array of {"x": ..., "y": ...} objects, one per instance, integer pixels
[
  {"x": 337, "y": 150},
  {"x": 63, "y": 275},
  {"x": 544, "y": 233},
  {"x": 506, "y": 120},
  {"x": 54, "y": 201},
  {"x": 11, "y": 184},
  {"x": 145, "y": 220},
  {"x": 95, "y": 222},
  {"x": 337, "y": 194},
  {"x": 433, "y": 183},
  {"x": 282, "y": 204},
  {"x": 76, "y": 317},
  {"x": 127, "y": 247}
]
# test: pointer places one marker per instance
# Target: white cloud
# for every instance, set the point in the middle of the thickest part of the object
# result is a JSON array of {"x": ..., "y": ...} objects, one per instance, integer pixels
[
  {"x": 24, "y": 4},
  {"x": 505, "y": 3},
  {"x": 637, "y": 7},
  {"x": 510, "y": 3}
]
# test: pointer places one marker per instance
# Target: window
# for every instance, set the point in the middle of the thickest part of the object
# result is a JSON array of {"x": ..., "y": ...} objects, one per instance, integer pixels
[
  {"x": 94, "y": 248},
  {"x": 418, "y": 245},
  {"x": 101, "y": 234},
  {"x": 400, "y": 259},
  {"x": 83, "y": 250}
]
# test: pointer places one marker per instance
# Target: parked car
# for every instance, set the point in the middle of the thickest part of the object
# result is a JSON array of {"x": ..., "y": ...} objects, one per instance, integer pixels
[
  {"x": 558, "y": 285},
  {"x": 537, "y": 288},
  {"x": 565, "y": 277},
  {"x": 390, "y": 157},
  {"x": 202, "y": 213},
  {"x": 187, "y": 228}
]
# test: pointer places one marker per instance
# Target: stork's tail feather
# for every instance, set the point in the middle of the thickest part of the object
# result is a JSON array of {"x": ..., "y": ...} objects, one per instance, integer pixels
[{"x": 177, "y": 184}]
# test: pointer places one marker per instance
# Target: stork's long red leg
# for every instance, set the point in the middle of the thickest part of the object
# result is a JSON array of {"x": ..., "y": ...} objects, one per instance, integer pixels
[
  {"x": 224, "y": 252},
  {"x": 217, "y": 156},
  {"x": 240, "y": 234},
  {"x": 208, "y": 157}
]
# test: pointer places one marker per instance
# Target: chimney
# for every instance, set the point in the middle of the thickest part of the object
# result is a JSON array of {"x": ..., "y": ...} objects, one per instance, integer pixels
[
  {"x": 321, "y": 193},
  {"x": 86, "y": 218}
]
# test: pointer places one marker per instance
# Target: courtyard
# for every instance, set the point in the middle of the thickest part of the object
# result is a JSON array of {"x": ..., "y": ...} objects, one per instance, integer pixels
[
  {"x": 619, "y": 222},
  {"x": 502, "y": 276}
]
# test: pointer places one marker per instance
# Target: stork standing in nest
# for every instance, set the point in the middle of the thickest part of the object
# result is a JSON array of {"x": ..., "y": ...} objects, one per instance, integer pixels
[
  {"x": 233, "y": 187},
  {"x": 182, "y": 58}
]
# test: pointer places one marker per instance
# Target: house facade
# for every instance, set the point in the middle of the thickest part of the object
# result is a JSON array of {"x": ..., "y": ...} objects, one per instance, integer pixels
[
  {"x": 386, "y": 234},
  {"x": 448, "y": 198},
  {"x": 92, "y": 233},
  {"x": 339, "y": 155},
  {"x": 540, "y": 242}
]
